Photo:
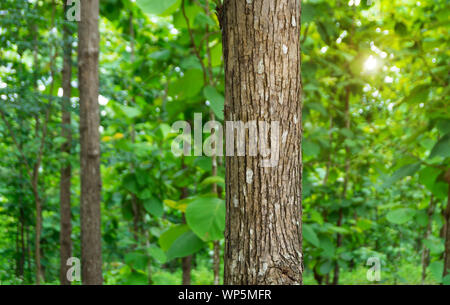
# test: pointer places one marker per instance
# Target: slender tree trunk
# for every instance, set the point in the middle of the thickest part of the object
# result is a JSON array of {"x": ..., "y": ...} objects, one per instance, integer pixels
[
  {"x": 447, "y": 229},
  {"x": 88, "y": 52},
  {"x": 187, "y": 260},
  {"x": 425, "y": 250},
  {"x": 346, "y": 179},
  {"x": 263, "y": 235},
  {"x": 65, "y": 240},
  {"x": 216, "y": 262}
]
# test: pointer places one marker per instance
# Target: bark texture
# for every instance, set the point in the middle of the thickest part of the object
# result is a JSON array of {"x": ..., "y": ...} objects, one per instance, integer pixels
[
  {"x": 263, "y": 241},
  {"x": 88, "y": 52},
  {"x": 66, "y": 170}
]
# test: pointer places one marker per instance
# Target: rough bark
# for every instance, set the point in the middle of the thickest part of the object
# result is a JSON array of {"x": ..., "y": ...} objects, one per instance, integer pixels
[
  {"x": 263, "y": 240},
  {"x": 65, "y": 240},
  {"x": 88, "y": 52}
]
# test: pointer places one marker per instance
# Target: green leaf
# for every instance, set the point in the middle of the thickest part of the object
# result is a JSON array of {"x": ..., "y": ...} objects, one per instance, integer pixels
[
  {"x": 442, "y": 147},
  {"x": 188, "y": 86},
  {"x": 158, "y": 7},
  {"x": 168, "y": 237},
  {"x": 428, "y": 176},
  {"x": 213, "y": 179},
  {"x": 136, "y": 260},
  {"x": 436, "y": 246},
  {"x": 310, "y": 236},
  {"x": 436, "y": 269},
  {"x": 325, "y": 267},
  {"x": 308, "y": 12},
  {"x": 157, "y": 253},
  {"x": 217, "y": 101},
  {"x": 443, "y": 125},
  {"x": 418, "y": 95},
  {"x": 310, "y": 148},
  {"x": 446, "y": 280},
  {"x": 400, "y": 216},
  {"x": 401, "y": 29},
  {"x": 137, "y": 278},
  {"x": 206, "y": 217},
  {"x": 402, "y": 172},
  {"x": 130, "y": 184},
  {"x": 154, "y": 206},
  {"x": 130, "y": 112},
  {"x": 186, "y": 244}
]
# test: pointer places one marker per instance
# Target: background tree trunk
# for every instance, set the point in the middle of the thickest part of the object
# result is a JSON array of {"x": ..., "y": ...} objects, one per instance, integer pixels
[
  {"x": 65, "y": 240},
  {"x": 263, "y": 239},
  {"x": 88, "y": 52},
  {"x": 447, "y": 229},
  {"x": 425, "y": 250}
]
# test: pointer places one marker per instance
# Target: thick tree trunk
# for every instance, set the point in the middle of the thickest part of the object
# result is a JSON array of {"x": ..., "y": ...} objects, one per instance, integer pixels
[
  {"x": 88, "y": 52},
  {"x": 263, "y": 239},
  {"x": 65, "y": 240}
]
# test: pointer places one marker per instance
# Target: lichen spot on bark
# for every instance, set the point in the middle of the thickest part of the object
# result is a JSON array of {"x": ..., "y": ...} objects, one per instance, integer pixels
[{"x": 249, "y": 176}]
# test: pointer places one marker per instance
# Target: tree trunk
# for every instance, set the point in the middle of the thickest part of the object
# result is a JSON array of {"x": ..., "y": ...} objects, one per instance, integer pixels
[
  {"x": 187, "y": 260},
  {"x": 88, "y": 52},
  {"x": 65, "y": 240},
  {"x": 447, "y": 229},
  {"x": 263, "y": 239},
  {"x": 186, "y": 268},
  {"x": 346, "y": 179},
  {"x": 425, "y": 250},
  {"x": 216, "y": 262}
]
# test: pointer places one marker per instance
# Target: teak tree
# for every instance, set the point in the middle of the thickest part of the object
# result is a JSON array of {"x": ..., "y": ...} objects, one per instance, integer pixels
[
  {"x": 263, "y": 235},
  {"x": 88, "y": 53}
]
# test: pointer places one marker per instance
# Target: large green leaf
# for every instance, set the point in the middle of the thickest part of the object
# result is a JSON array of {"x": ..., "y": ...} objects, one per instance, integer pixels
[
  {"x": 217, "y": 101},
  {"x": 436, "y": 269},
  {"x": 418, "y": 95},
  {"x": 310, "y": 236},
  {"x": 188, "y": 86},
  {"x": 206, "y": 217},
  {"x": 158, "y": 7},
  {"x": 442, "y": 147},
  {"x": 400, "y": 216},
  {"x": 186, "y": 244},
  {"x": 168, "y": 237},
  {"x": 402, "y": 172},
  {"x": 428, "y": 176},
  {"x": 157, "y": 253},
  {"x": 154, "y": 206}
]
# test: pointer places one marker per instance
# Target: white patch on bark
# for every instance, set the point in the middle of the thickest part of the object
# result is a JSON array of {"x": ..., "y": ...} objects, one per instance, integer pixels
[
  {"x": 249, "y": 176},
  {"x": 263, "y": 269},
  {"x": 285, "y": 49},
  {"x": 284, "y": 136},
  {"x": 294, "y": 22},
  {"x": 249, "y": 1},
  {"x": 295, "y": 119},
  {"x": 235, "y": 201},
  {"x": 261, "y": 67}
]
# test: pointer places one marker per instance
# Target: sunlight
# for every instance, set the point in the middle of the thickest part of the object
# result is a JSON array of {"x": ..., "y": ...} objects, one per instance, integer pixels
[{"x": 370, "y": 64}]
